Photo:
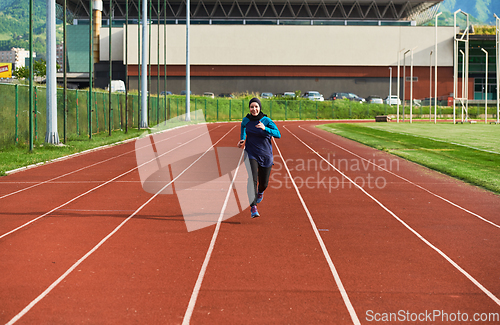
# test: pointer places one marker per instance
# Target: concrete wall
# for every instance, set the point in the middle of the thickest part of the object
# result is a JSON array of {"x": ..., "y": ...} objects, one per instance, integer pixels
[
  {"x": 363, "y": 87},
  {"x": 289, "y": 45},
  {"x": 276, "y": 58}
]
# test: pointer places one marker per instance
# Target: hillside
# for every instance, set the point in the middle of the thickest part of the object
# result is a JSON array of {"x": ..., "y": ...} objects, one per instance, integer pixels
[
  {"x": 482, "y": 10},
  {"x": 14, "y": 25}
]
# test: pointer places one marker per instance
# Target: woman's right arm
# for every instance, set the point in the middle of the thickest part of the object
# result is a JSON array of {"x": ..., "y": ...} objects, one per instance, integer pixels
[{"x": 243, "y": 132}]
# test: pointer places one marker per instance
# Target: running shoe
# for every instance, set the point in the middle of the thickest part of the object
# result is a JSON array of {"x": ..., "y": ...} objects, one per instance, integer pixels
[
  {"x": 254, "y": 211},
  {"x": 260, "y": 196}
]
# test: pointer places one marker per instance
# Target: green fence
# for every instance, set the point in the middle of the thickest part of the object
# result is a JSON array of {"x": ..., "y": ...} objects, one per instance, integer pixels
[{"x": 14, "y": 107}]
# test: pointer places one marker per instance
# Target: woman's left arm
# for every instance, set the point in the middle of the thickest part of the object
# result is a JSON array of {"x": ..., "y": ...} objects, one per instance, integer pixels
[{"x": 271, "y": 128}]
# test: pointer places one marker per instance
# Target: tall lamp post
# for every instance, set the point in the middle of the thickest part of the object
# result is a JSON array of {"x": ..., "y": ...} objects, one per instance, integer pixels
[
  {"x": 463, "y": 81},
  {"x": 430, "y": 85},
  {"x": 486, "y": 89},
  {"x": 398, "y": 81},
  {"x": 404, "y": 82},
  {"x": 390, "y": 84},
  {"x": 436, "y": 68},
  {"x": 188, "y": 74},
  {"x": 497, "y": 54},
  {"x": 411, "y": 84}
]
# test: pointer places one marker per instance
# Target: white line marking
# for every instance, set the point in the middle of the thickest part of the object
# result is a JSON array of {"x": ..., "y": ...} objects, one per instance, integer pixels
[
  {"x": 404, "y": 179},
  {"x": 467, "y": 275},
  {"x": 74, "y": 266},
  {"x": 93, "y": 189},
  {"x": 201, "y": 275},
  {"x": 335, "y": 274},
  {"x": 78, "y": 170}
]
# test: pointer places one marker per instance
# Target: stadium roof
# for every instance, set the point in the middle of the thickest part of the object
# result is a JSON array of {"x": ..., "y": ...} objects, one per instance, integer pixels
[{"x": 393, "y": 10}]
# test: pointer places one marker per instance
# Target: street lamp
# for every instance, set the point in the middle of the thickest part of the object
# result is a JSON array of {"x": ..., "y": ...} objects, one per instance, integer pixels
[
  {"x": 436, "y": 69},
  {"x": 430, "y": 85},
  {"x": 411, "y": 84},
  {"x": 404, "y": 82},
  {"x": 398, "y": 81},
  {"x": 497, "y": 42},
  {"x": 463, "y": 83},
  {"x": 486, "y": 89},
  {"x": 188, "y": 65},
  {"x": 390, "y": 84}
]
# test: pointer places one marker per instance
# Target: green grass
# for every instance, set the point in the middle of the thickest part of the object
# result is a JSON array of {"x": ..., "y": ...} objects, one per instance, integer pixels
[
  {"x": 481, "y": 136},
  {"x": 5, "y": 36},
  {"x": 452, "y": 154},
  {"x": 16, "y": 156}
]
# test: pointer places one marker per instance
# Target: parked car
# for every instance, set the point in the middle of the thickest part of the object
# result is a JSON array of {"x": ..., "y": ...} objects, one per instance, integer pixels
[
  {"x": 314, "y": 95},
  {"x": 394, "y": 100},
  {"x": 208, "y": 94},
  {"x": 374, "y": 99},
  {"x": 355, "y": 98},
  {"x": 336, "y": 96},
  {"x": 350, "y": 96},
  {"x": 163, "y": 93},
  {"x": 117, "y": 86},
  {"x": 226, "y": 95},
  {"x": 183, "y": 92},
  {"x": 289, "y": 94},
  {"x": 266, "y": 95}
]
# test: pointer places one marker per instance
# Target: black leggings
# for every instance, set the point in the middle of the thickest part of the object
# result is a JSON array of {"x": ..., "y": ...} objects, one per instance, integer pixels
[{"x": 260, "y": 174}]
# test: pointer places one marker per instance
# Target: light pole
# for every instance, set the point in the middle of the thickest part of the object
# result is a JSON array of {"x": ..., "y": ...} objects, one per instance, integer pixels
[
  {"x": 398, "y": 81},
  {"x": 144, "y": 84},
  {"x": 463, "y": 81},
  {"x": 430, "y": 85},
  {"x": 404, "y": 82},
  {"x": 411, "y": 84},
  {"x": 436, "y": 68},
  {"x": 188, "y": 74},
  {"x": 486, "y": 89},
  {"x": 497, "y": 43},
  {"x": 390, "y": 85}
]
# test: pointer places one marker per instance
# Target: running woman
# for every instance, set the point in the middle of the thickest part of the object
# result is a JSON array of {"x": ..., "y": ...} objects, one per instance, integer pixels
[{"x": 256, "y": 132}]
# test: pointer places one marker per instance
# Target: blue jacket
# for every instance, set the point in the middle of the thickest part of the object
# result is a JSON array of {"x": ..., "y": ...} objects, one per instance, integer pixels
[{"x": 258, "y": 142}]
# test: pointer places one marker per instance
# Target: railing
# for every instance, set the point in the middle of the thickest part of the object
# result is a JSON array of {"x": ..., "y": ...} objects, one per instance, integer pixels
[{"x": 14, "y": 123}]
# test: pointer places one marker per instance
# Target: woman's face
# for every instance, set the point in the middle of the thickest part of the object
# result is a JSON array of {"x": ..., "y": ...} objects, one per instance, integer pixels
[{"x": 254, "y": 108}]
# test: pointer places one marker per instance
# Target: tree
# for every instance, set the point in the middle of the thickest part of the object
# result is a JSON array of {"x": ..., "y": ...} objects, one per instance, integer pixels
[
  {"x": 21, "y": 72},
  {"x": 39, "y": 70}
]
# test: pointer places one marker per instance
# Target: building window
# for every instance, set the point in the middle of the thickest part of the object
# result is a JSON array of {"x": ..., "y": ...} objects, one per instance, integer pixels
[{"x": 479, "y": 84}]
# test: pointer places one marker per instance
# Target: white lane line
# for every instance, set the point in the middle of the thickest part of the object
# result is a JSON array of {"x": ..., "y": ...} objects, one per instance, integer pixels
[
  {"x": 74, "y": 266},
  {"x": 201, "y": 275},
  {"x": 404, "y": 179},
  {"x": 461, "y": 270},
  {"x": 95, "y": 188},
  {"x": 335, "y": 274},
  {"x": 78, "y": 170}
]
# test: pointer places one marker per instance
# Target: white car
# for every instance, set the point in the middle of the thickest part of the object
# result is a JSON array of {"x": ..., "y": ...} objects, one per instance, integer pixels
[
  {"x": 393, "y": 101},
  {"x": 314, "y": 95},
  {"x": 117, "y": 86}
]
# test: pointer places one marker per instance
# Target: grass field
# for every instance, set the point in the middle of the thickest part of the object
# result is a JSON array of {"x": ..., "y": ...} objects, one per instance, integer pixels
[
  {"x": 467, "y": 152},
  {"x": 481, "y": 136},
  {"x": 5, "y": 36},
  {"x": 16, "y": 156}
]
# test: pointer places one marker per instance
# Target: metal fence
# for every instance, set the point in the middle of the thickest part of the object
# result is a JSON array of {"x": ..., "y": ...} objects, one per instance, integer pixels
[{"x": 14, "y": 111}]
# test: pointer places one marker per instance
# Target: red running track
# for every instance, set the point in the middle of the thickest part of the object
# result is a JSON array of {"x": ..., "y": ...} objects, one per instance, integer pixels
[{"x": 82, "y": 242}]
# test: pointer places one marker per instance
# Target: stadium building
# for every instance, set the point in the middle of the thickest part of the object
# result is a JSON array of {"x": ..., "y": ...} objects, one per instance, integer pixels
[{"x": 270, "y": 46}]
